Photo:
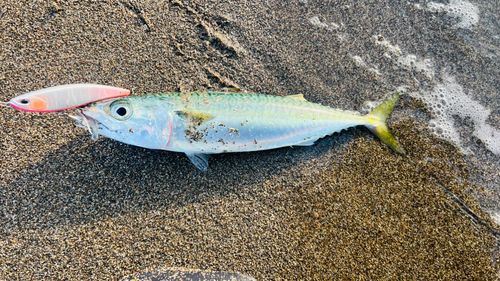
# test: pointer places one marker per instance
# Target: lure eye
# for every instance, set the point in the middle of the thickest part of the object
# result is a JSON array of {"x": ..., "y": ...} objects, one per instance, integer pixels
[
  {"x": 121, "y": 111},
  {"x": 34, "y": 103}
]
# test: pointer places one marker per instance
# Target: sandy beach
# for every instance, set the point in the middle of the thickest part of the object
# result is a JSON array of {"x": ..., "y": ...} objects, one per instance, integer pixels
[{"x": 347, "y": 208}]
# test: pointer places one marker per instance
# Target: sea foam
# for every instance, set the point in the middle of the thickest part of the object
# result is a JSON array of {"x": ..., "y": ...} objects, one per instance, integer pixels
[
  {"x": 467, "y": 12},
  {"x": 447, "y": 100}
]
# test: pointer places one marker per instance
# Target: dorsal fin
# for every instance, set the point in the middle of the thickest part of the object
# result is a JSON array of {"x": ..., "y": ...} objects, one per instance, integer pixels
[
  {"x": 297, "y": 97},
  {"x": 194, "y": 116}
]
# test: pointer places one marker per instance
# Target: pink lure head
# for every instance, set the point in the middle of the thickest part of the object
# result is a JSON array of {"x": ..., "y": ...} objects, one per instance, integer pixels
[{"x": 65, "y": 97}]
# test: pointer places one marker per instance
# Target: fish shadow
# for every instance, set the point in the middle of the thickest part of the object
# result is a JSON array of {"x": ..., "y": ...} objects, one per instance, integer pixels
[{"x": 88, "y": 181}]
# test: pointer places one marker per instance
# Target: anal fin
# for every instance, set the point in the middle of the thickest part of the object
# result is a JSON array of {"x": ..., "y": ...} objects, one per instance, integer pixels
[{"x": 199, "y": 160}]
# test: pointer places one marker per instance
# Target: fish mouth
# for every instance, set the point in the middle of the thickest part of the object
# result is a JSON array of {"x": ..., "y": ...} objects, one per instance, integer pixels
[{"x": 85, "y": 121}]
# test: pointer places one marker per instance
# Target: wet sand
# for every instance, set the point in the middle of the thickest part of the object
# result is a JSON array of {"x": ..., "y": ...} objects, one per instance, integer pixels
[{"x": 346, "y": 208}]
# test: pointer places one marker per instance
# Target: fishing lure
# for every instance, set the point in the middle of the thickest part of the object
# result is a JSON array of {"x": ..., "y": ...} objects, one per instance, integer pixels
[
  {"x": 65, "y": 97},
  {"x": 200, "y": 124}
]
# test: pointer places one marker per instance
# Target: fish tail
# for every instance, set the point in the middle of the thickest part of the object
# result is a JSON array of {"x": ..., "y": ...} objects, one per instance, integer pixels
[{"x": 377, "y": 123}]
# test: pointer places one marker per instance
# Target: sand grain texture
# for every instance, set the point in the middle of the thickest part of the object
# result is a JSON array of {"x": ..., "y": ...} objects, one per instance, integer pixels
[{"x": 347, "y": 208}]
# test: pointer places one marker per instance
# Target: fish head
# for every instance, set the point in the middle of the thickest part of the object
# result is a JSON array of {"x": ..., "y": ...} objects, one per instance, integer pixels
[{"x": 128, "y": 120}]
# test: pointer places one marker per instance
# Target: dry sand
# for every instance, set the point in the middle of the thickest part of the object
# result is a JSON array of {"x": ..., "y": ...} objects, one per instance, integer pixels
[{"x": 347, "y": 208}]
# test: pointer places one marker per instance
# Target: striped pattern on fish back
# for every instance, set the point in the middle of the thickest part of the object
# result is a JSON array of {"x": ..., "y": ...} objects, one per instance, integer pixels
[{"x": 252, "y": 104}]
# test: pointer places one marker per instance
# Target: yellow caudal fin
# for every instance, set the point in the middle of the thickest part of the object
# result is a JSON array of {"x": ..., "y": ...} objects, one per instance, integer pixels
[{"x": 377, "y": 124}]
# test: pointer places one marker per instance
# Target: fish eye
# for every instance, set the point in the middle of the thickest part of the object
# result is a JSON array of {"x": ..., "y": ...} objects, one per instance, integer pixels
[
  {"x": 120, "y": 111},
  {"x": 24, "y": 101}
]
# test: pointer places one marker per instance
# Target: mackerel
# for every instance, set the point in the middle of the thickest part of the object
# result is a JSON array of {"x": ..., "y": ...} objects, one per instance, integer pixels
[{"x": 204, "y": 123}]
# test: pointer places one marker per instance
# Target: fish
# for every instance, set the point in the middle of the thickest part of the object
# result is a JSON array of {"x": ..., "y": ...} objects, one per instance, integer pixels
[
  {"x": 65, "y": 97},
  {"x": 203, "y": 123}
]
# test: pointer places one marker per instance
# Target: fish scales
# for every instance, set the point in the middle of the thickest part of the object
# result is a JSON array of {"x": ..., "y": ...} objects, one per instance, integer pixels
[
  {"x": 200, "y": 124},
  {"x": 250, "y": 122}
]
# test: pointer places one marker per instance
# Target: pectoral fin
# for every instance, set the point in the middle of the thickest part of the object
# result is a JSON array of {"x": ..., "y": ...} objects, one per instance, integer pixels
[{"x": 199, "y": 160}]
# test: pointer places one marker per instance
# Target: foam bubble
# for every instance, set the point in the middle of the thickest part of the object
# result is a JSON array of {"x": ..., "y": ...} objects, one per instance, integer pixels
[
  {"x": 467, "y": 12},
  {"x": 448, "y": 99},
  {"x": 393, "y": 49},
  {"x": 315, "y": 21},
  {"x": 496, "y": 217},
  {"x": 334, "y": 25},
  {"x": 402, "y": 89},
  {"x": 411, "y": 61},
  {"x": 359, "y": 61}
]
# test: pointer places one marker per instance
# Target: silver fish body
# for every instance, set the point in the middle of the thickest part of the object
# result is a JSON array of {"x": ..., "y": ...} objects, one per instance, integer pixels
[{"x": 200, "y": 124}]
